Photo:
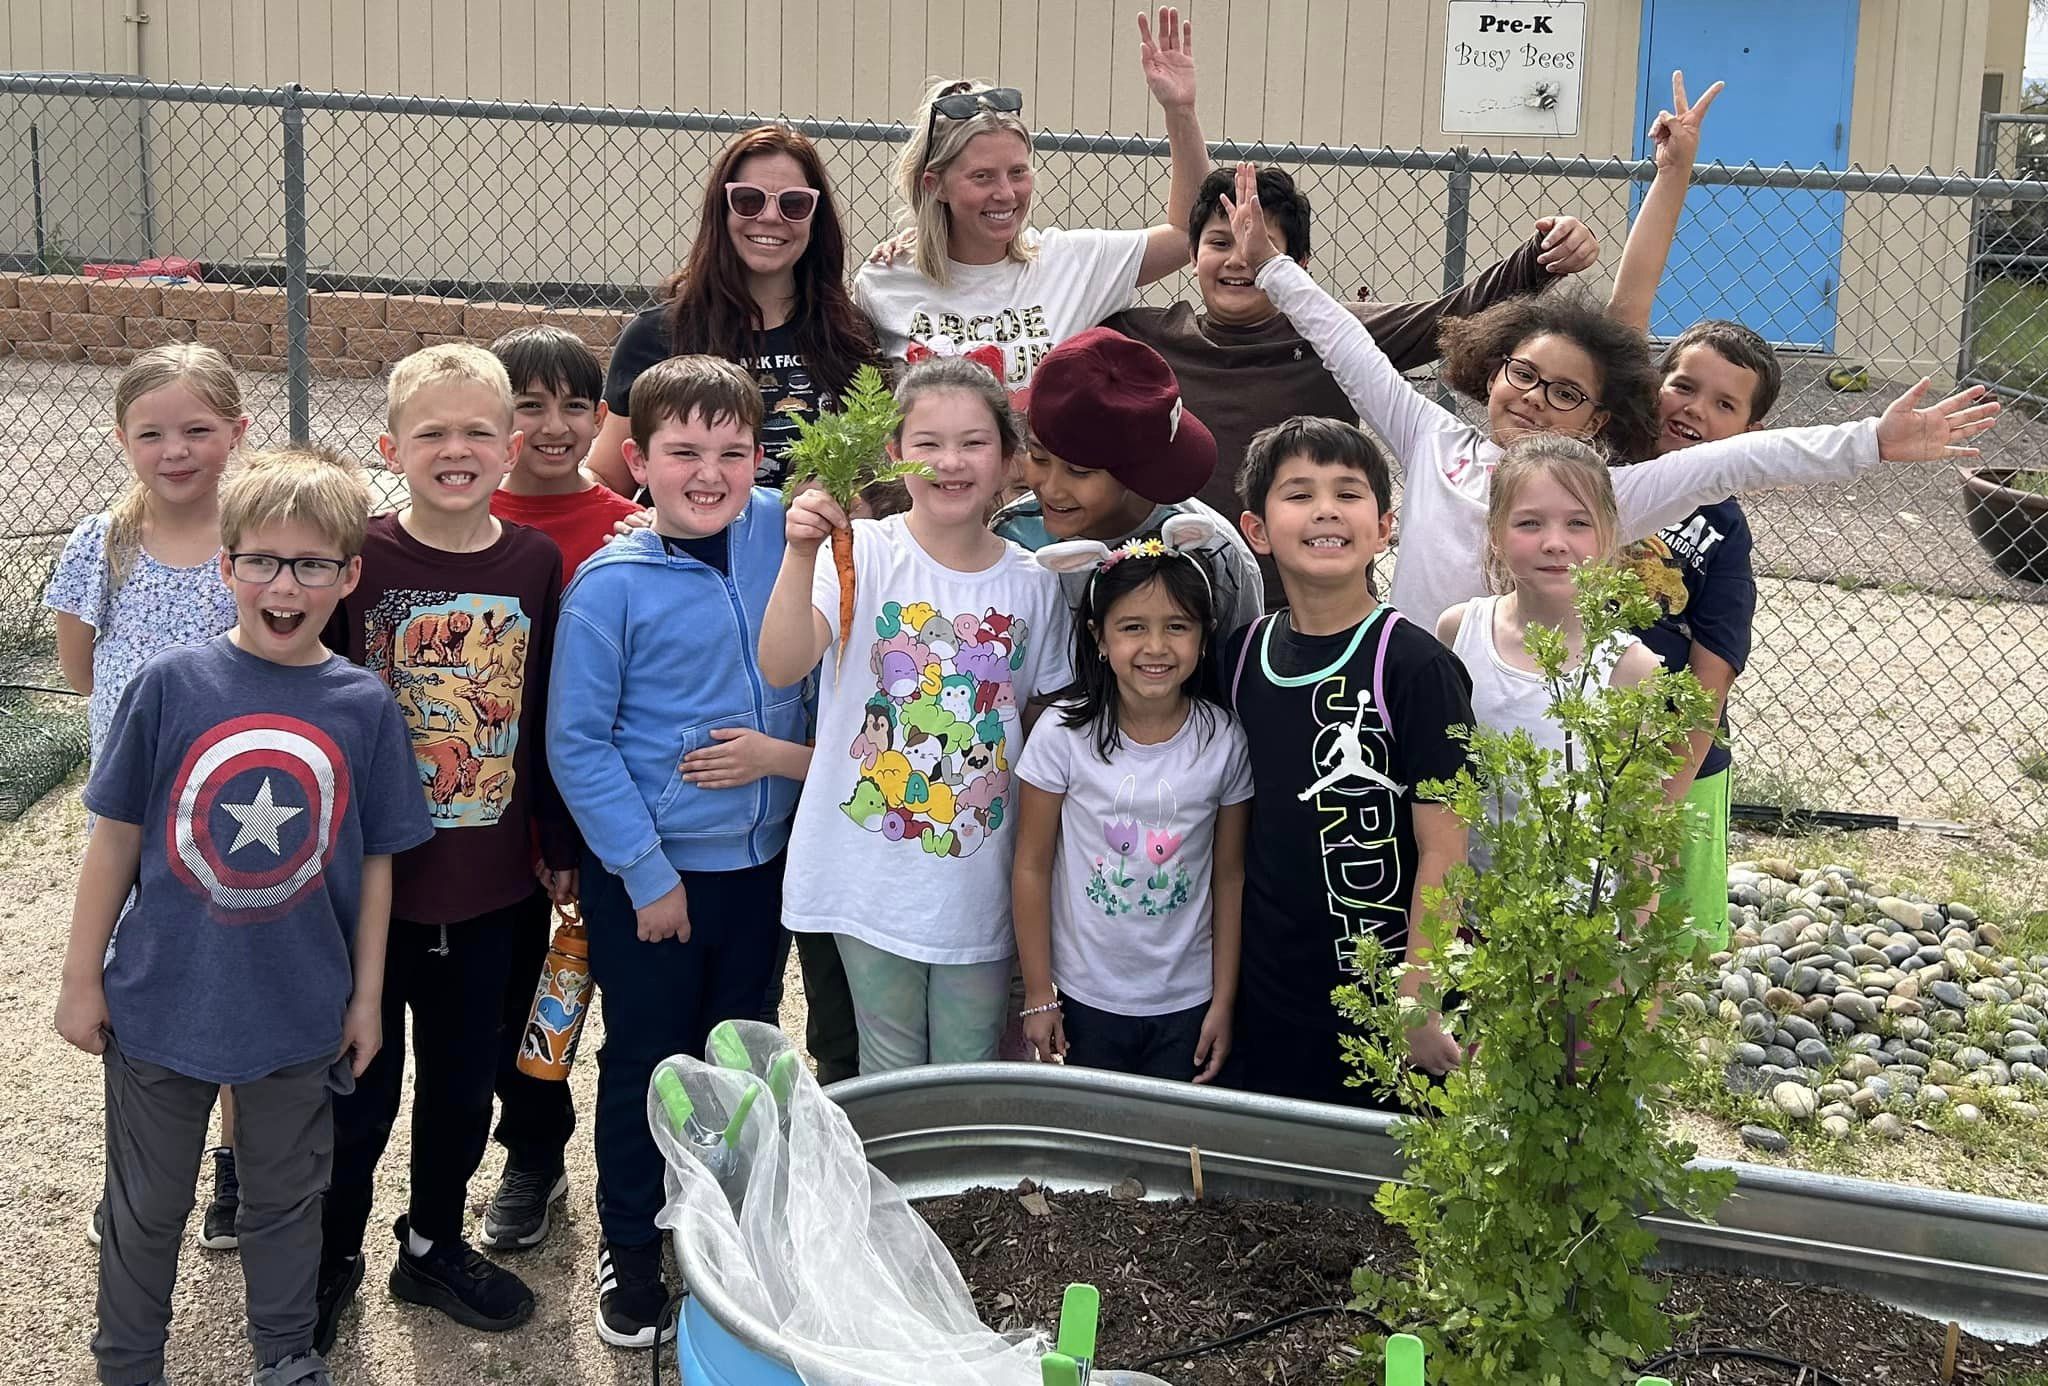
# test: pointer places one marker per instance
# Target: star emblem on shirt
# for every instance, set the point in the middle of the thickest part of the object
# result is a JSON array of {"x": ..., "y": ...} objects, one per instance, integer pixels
[{"x": 259, "y": 819}]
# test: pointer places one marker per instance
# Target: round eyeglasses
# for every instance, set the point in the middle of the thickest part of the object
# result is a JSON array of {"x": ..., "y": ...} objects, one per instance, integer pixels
[{"x": 1561, "y": 395}]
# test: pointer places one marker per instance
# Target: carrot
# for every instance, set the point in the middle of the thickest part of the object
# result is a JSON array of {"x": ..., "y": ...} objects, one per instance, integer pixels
[
  {"x": 844, "y": 451},
  {"x": 842, "y": 559}
]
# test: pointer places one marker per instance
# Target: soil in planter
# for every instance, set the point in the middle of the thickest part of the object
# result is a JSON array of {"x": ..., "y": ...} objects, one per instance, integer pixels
[{"x": 1174, "y": 1275}]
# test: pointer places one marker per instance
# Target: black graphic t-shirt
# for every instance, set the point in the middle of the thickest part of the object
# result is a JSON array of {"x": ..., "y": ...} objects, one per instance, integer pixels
[
  {"x": 1699, "y": 571},
  {"x": 789, "y": 391}
]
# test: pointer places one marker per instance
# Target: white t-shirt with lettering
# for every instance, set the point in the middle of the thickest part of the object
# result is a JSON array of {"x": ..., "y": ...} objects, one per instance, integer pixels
[
  {"x": 1076, "y": 279},
  {"x": 904, "y": 832},
  {"x": 1131, "y": 906}
]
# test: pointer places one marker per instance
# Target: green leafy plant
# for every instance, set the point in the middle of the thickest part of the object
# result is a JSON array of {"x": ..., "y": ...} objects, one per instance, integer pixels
[
  {"x": 844, "y": 450},
  {"x": 1529, "y": 1166}
]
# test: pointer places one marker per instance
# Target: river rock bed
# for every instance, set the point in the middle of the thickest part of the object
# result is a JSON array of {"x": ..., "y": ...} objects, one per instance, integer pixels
[{"x": 1854, "y": 1012}]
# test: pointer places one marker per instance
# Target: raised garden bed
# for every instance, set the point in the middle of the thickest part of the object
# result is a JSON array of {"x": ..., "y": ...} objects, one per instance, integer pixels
[{"x": 1178, "y": 1274}]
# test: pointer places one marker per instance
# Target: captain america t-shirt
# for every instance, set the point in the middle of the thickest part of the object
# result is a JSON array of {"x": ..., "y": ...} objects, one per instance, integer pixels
[{"x": 259, "y": 788}]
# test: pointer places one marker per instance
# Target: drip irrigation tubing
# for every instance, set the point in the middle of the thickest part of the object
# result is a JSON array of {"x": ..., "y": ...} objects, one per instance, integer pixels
[{"x": 1808, "y": 1373}]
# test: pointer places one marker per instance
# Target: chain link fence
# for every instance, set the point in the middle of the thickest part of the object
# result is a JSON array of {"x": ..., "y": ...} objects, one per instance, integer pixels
[{"x": 1898, "y": 662}]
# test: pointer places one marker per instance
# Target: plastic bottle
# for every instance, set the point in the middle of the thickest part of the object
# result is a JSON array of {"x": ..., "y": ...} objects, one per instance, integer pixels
[{"x": 561, "y": 1001}]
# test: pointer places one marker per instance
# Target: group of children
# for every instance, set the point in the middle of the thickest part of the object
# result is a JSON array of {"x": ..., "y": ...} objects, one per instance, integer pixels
[{"x": 1095, "y": 793}]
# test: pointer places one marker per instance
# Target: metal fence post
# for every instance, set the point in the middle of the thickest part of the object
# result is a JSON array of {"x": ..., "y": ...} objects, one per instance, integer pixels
[
  {"x": 1457, "y": 216},
  {"x": 298, "y": 355}
]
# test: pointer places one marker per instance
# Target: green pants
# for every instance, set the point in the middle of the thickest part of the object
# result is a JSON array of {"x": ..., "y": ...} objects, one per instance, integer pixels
[{"x": 1701, "y": 880}]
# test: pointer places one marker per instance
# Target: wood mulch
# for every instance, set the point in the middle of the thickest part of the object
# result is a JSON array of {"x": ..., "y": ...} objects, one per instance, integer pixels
[{"x": 1177, "y": 1274}]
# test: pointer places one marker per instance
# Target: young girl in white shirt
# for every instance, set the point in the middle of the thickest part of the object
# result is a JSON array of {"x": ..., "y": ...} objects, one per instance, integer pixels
[
  {"x": 902, "y": 839},
  {"x": 1551, "y": 510},
  {"x": 1129, "y": 881}
]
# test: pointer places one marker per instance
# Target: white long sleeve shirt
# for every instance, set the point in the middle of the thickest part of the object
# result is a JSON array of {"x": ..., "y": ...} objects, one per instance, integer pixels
[{"x": 1448, "y": 465}]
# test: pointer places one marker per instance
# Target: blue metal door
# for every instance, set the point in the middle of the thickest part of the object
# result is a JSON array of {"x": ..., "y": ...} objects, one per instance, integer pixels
[{"x": 1768, "y": 258}]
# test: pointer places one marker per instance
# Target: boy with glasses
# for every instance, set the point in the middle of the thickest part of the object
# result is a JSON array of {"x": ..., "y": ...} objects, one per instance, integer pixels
[{"x": 252, "y": 792}]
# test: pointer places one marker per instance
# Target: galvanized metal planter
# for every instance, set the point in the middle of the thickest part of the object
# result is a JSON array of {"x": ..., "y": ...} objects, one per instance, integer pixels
[{"x": 1983, "y": 1261}]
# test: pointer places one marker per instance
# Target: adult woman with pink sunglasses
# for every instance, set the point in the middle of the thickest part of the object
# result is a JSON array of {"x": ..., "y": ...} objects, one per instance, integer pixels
[{"x": 765, "y": 287}]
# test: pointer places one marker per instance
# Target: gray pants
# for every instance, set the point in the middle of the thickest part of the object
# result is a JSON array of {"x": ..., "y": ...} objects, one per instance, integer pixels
[{"x": 156, "y": 1135}]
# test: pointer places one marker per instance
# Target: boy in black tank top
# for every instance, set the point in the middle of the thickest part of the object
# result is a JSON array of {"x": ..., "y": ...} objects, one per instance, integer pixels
[{"x": 1346, "y": 709}]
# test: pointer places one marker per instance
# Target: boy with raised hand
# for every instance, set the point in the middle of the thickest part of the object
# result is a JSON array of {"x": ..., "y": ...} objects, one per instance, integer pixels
[
  {"x": 1112, "y": 453},
  {"x": 456, "y": 613},
  {"x": 1347, "y": 708},
  {"x": 557, "y": 403},
  {"x": 1242, "y": 364},
  {"x": 252, "y": 792},
  {"x": 1718, "y": 379},
  {"x": 681, "y": 763}
]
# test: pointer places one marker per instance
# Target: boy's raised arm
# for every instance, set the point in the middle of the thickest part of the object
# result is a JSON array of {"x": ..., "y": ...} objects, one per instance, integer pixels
[
  {"x": 1676, "y": 135},
  {"x": 1407, "y": 332}
]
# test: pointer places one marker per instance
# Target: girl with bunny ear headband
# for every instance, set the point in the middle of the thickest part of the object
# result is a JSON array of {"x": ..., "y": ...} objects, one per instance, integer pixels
[{"x": 1128, "y": 926}]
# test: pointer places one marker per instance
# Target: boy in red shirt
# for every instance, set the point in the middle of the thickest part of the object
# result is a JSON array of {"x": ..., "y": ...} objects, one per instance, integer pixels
[{"x": 557, "y": 402}]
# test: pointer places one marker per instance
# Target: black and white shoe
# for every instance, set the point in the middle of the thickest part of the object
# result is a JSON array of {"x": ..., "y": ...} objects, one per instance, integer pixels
[
  {"x": 519, "y": 1214},
  {"x": 630, "y": 1295},
  {"x": 462, "y": 1283},
  {"x": 217, "y": 1227},
  {"x": 96, "y": 1227}
]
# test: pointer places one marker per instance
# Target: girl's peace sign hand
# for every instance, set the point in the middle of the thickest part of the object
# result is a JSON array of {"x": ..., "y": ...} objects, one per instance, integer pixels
[
  {"x": 1676, "y": 132},
  {"x": 1248, "y": 220}
]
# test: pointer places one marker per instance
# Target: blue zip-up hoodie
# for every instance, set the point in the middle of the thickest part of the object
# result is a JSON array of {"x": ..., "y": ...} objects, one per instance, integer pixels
[{"x": 653, "y": 652}]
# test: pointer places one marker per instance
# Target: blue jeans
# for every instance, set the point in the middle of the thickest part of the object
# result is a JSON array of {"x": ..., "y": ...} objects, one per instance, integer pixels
[
  {"x": 661, "y": 999},
  {"x": 1151, "y": 1046}
]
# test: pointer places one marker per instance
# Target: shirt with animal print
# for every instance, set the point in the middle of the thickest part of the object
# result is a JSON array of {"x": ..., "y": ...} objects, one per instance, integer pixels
[{"x": 464, "y": 641}]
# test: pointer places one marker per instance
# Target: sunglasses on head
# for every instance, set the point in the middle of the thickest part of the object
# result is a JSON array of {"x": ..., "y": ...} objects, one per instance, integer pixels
[
  {"x": 958, "y": 103},
  {"x": 795, "y": 204}
]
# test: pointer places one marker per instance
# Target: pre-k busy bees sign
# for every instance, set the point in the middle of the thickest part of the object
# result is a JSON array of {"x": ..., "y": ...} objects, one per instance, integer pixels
[{"x": 1514, "y": 67}]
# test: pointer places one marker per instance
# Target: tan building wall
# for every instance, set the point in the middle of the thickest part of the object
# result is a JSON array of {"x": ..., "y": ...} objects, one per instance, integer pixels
[{"x": 484, "y": 200}]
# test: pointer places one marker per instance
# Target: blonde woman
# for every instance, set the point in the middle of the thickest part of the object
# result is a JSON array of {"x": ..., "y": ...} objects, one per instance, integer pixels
[{"x": 970, "y": 269}]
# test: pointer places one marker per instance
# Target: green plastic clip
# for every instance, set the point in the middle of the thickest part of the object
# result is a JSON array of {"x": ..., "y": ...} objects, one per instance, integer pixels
[
  {"x": 1404, "y": 1360},
  {"x": 728, "y": 1050},
  {"x": 739, "y": 1116},
  {"x": 1058, "y": 1369},
  {"x": 1651, "y": 1381},
  {"x": 669, "y": 1088},
  {"x": 782, "y": 1077},
  {"x": 1080, "y": 1312}
]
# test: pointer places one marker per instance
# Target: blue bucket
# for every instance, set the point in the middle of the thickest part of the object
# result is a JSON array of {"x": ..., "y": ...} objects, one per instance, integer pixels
[{"x": 707, "y": 1354}]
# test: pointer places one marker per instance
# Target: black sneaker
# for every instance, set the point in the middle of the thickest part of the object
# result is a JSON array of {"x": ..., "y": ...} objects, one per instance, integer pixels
[
  {"x": 217, "y": 1228},
  {"x": 96, "y": 1228},
  {"x": 519, "y": 1213},
  {"x": 337, "y": 1286},
  {"x": 454, "y": 1278},
  {"x": 630, "y": 1295}
]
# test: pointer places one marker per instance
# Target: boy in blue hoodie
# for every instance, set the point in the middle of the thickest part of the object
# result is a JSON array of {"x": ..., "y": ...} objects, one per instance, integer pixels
[{"x": 681, "y": 765}]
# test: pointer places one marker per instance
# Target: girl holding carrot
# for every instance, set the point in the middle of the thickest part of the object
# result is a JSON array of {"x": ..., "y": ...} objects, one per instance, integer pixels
[{"x": 902, "y": 841}]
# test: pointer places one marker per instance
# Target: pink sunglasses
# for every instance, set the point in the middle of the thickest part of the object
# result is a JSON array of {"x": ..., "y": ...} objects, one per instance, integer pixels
[{"x": 795, "y": 204}]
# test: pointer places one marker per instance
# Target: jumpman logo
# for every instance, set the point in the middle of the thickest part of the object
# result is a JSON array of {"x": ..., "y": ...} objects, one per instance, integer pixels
[{"x": 1346, "y": 759}]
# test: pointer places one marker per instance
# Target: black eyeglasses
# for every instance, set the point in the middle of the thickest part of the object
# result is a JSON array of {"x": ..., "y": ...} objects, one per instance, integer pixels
[
  {"x": 1561, "y": 395},
  {"x": 795, "y": 204},
  {"x": 307, "y": 572},
  {"x": 959, "y": 103}
]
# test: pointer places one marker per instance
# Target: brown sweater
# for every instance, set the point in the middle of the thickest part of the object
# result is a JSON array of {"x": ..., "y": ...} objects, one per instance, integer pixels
[{"x": 1238, "y": 380}]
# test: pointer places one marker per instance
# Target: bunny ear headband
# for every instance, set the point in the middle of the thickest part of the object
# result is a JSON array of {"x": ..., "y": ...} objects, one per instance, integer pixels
[
  {"x": 1181, "y": 536},
  {"x": 987, "y": 354}
]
